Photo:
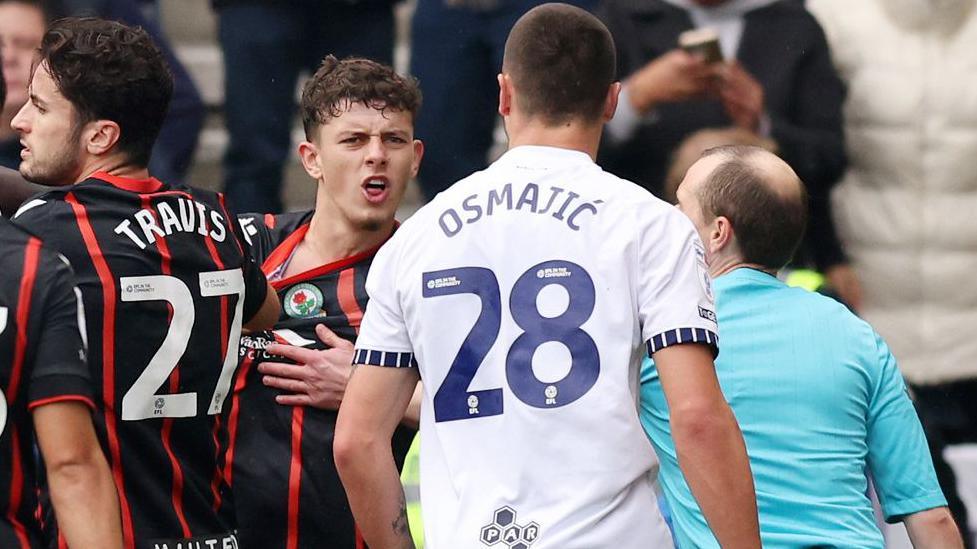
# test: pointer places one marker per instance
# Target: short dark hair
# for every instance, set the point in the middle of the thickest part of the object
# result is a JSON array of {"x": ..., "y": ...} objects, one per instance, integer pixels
[
  {"x": 111, "y": 71},
  {"x": 768, "y": 225},
  {"x": 562, "y": 61},
  {"x": 337, "y": 85}
]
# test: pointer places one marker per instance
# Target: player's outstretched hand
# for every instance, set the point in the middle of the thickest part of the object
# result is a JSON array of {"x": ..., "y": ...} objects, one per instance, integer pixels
[{"x": 318, "y": 377}]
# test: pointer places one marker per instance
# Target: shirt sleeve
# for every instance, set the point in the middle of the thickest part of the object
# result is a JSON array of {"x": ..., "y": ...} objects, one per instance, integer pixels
[
  {"x": 383, "y": 339},
  {"x": 60, "y": 364},
  {"x": 898, "y": 456},
  {"x": 255, "y": 287},
  {"x": 38, "y": 216},
  {"x": 254, "y": 233},
  {"x": 255, "y": 282},
  {"x": 675, "y": 298}
]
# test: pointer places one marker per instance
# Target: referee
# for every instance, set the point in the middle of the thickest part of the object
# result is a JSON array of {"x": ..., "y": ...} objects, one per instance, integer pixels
[{"x": 816, "y": 391}]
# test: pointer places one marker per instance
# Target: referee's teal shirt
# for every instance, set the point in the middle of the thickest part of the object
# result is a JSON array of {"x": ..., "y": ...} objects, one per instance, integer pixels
[{"x": 821, "y": 403}]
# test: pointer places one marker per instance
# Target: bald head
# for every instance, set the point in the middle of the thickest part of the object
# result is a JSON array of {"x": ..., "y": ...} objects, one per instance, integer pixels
[
  {"x": 760, "y": 195},
  {"x": 561, "y": 61}
]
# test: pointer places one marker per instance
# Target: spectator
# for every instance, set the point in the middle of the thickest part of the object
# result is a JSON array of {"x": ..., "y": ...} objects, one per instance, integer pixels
[
  {"x": 173, "y": 152},
  {"x": 22, "y": 24},
  {"x": 266, "y": 44},
  {"x": 815, "y": 389},
  {"x": 905, "y": 208},
  {"x": 778, "y": 82},
  {"x": 456, "y": 53},
  {"x": 692, "y": 147}
]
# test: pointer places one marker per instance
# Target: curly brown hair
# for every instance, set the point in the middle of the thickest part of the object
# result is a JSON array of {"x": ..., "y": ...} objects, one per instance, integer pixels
[
  {"x": 111, "y": 71},
  {"x": 339, "y": 84}
]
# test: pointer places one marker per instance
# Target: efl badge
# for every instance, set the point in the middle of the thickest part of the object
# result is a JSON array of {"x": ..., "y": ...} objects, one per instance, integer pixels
[
  {"x": 702, "y": 270},
  {"x": 303, "y": 301}
]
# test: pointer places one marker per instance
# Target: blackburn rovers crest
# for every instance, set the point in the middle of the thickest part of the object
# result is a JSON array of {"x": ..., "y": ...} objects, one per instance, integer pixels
[{"x": 303, "y": 301}]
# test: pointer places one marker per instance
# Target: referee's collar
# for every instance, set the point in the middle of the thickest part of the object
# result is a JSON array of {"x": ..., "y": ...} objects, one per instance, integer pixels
[
  {"x": 746, "y": 275},
  {"x": 536, "y": 156}
]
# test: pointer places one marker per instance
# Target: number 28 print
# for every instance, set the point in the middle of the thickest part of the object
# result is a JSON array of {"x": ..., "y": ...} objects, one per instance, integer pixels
[{"x": 453, "y": 399}]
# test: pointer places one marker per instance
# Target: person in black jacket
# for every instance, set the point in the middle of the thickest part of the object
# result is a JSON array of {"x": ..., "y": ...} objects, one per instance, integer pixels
[
  {"x": 266, "y": 44},
  {"x": 777, "y": 81}
]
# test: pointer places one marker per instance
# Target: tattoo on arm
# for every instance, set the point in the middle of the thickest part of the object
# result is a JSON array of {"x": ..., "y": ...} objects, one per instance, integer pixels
[{"x": 400, "y": 526}]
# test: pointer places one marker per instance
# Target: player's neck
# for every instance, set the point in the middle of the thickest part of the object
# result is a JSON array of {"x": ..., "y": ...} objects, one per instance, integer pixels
[
  {"x": 332, "y": 238},
  {"x": 113, "y": 165},
  {"x": 719, "y": 267},
  {"x": 574, "y": 135}
]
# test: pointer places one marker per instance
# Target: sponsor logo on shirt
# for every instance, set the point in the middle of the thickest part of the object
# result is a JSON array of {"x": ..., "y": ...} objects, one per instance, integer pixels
[
  {"x": 504, "y": 531},
  {"x": 443, "y": 282},
  {"x": 303, "y": 301},
  {"x": 707, "y": 314}
]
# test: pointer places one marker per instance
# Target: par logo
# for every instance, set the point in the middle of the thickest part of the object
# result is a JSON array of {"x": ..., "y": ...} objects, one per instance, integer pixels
[
  {"x": 303, "y": 301},
  {"x": 504, "y": 531}
]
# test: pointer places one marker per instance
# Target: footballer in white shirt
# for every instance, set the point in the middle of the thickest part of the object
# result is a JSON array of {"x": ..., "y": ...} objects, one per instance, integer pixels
[{"x": 525, "y": 296}]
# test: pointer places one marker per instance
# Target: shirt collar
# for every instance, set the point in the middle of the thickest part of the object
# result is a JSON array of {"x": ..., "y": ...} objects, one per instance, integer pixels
[
  {"x": 745, "y": 275},
  {"x": 542, "y": 157}
]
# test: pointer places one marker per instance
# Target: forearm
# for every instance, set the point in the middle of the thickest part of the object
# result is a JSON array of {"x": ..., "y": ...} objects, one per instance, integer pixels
[
  {"x": 376, "y": 496},
  {"x": 412, "y": 416},
  {"x": 713, "y": 459},
  {"x": 933, "y": 529},
  {"x": 86, "y": 503}
]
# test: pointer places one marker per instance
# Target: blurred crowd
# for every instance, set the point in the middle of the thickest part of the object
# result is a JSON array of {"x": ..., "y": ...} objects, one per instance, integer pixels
[{"x": 873, "y": 103}]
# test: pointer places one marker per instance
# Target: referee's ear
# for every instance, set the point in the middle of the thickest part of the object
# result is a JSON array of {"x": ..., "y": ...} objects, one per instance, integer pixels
[{"x": 721, "y": 236}]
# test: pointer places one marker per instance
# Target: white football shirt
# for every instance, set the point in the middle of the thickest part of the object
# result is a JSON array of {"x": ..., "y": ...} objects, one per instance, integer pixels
[{"x": 526, "y": 294}]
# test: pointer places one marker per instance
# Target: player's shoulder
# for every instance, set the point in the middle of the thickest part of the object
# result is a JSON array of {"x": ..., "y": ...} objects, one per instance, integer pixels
[
  {"x": 14, "y": 240},
  {"x": 213, "y": 199},
  {"x": 628, "y": 202},
  {"x": 284, "y": 223},
  {"x": 42, "y": 204},
  {"x": 13, "y": 234},
  {"x": 628, "y": 192},
  {"x": 269, "y": 230},
  {"x": 14, "y": 243},
  {"x": 823, "y": 310},
  {"x": 46, "y": 215}
]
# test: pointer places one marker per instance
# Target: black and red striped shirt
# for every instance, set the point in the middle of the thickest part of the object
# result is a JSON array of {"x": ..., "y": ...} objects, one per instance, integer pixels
[
  {"x": 286, "y": 490},
  {"x": 166, "y": 286},
  {"x": 42, "y": 360}
]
